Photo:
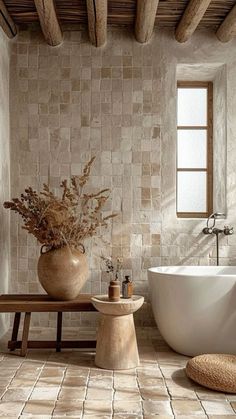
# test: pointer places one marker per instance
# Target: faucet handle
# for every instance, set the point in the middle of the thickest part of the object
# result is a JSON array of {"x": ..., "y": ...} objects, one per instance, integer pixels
[
  {"x": 228, "y": 231},
  {"x": 207, "y": 230}
]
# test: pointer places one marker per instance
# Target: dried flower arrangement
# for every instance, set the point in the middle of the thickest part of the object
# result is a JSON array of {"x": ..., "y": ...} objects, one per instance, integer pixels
[
  {"x": 112, "y": 266},
  {"x": 66, "y": 220}
]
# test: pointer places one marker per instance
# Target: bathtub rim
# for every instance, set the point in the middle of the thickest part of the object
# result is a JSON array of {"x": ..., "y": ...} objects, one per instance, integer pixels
[{"x": 159, "y": 270}]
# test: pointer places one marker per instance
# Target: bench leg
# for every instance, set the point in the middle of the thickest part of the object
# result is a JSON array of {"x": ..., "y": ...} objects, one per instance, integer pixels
[
  {"x": 59, "y": 331},
  {"x": 15, "y": 329},
  {"x": 25, "y": 334}
]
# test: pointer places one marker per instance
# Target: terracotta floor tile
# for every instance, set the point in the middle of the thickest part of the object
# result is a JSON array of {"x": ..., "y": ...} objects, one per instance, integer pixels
[
  {"x": 217, "y": 408},
  {"x": 184, "y": 407}
]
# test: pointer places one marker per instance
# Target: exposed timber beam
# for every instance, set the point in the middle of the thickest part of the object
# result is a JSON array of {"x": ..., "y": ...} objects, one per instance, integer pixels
[
  {"x": 192, "y": 16},
  {"x": 49, "y": 22},
  {"x": 227, "y": 29},
  {"x": 97, "y": 21},
  {"x": 6, "y": 21},
  {"x": 145, "y": 19}
]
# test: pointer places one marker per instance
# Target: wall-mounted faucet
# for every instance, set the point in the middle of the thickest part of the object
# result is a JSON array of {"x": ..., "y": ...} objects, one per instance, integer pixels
[{"x": 211, "y": 229}]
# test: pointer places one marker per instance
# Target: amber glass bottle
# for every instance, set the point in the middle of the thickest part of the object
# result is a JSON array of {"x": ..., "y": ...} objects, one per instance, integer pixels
[{"x": 127, "y": 287}]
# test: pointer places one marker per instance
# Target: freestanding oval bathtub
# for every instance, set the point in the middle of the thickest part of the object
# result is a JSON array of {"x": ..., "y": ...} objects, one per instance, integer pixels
[{"x": 195, "y": 307}]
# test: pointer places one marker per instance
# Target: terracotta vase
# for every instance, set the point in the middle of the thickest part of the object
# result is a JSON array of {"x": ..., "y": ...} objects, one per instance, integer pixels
[{"x": 63, "y": 272}]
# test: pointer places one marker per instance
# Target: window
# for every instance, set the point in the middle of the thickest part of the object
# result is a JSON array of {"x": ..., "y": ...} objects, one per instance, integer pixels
[{"x": 194, "y": 149}]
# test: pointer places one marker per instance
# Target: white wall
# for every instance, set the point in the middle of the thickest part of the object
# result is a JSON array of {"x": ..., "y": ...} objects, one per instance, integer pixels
[{"x": 4, "y": 173}]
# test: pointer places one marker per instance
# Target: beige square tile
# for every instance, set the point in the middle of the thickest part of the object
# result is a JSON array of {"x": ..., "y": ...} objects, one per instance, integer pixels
[
  {"x": 122, "y": 380},
  {"x": 157, "y": 407},
  {"x": 184, "y": 407},
  {"x": 19, "y": 382},
  {"x": 68, "y": 408},
  {"x": 97, "y": 407},
  {"x": 101, "y": 382},
  {"x": 233, "y": 404},
  {"x": 179, "y": 392},
  {"x": 154, "y": 393},
  {"x": 71, "y": 381},
  {"x": 217, "y": 408},
  {"x": 39, "y": 407},
  {"x": 221, "y": 416},
  {"x": 43, "y": 393},
  {"x": 158, "y": 417},
  {"x": 8, "y": 406},
  {"x": 204, "y": 394},
  {"x": 49, "y": 382},
  {"x": 127, "y": 393},
  {"x": 95, "y": 393},
  {"x": 17, "y": 394},
  {"x": 145, "y": 381},
  {"x": 72, "y": 393},
  {"x": 130, "y": 407}
]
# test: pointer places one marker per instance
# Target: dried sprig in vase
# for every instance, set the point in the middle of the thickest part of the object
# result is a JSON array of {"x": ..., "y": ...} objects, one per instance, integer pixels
[
  {"x": 113, "y": 267},
  {"x": 61, "y": 224}
]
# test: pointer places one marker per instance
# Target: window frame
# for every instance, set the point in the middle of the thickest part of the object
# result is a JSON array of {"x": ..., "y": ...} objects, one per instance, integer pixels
[{"x": 209, "y": 167}]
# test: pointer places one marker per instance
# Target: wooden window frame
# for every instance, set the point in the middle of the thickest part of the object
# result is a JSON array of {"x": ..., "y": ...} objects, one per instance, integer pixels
[{"x": 209, "y": 167}]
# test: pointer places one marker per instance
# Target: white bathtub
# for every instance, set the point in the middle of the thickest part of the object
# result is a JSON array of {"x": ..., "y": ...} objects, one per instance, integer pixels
[{"x": 195, "y": 307}]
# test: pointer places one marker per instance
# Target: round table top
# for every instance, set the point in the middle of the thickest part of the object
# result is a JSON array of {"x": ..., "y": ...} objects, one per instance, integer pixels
[{"x": 122, "y": 307}]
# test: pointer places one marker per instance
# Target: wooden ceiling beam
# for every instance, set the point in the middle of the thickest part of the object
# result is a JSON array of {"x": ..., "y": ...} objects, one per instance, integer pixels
[
  {"x": 6, "y": 22},
  {"x": 145, "y": 19},
  {"x": 191, "y": 18},
  {"x": 49, "y": 22},
  {"x": 97, "y": 21},
  {"x": 227, "y": 29}
]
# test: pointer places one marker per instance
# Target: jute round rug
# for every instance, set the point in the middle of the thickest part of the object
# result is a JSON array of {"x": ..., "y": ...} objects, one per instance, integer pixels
[{"x": 215, "y": 371}]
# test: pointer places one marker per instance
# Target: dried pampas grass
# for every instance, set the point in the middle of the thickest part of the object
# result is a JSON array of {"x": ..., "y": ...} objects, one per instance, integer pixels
[{"x": 69, "y": 220}]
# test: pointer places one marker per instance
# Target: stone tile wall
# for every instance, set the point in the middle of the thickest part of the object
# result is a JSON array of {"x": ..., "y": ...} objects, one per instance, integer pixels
[
  {"x": 4, "y": 171},
  {"x": 118, "y": 103}
]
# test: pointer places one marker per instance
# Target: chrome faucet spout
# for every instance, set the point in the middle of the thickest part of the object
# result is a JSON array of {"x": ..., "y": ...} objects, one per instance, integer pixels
[{"x": 211, "y": 229}]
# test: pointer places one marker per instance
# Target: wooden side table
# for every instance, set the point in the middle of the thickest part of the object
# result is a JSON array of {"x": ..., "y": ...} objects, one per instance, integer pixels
[
  {"x": 116, "y": 339},
  {"x": 37, "y": 303}
]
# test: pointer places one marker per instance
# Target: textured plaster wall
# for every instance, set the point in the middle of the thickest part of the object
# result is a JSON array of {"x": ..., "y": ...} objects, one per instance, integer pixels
[
  {"x": 4, "y": 172},
  {"x": 118, "y": 103}
]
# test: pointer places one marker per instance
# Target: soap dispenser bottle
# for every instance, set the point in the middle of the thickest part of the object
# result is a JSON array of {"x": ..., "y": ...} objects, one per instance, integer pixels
[{"x": 127, "y": 287}]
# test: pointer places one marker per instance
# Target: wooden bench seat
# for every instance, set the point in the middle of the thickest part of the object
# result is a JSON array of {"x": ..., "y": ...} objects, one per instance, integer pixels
[{"x": 38, "y": 303}]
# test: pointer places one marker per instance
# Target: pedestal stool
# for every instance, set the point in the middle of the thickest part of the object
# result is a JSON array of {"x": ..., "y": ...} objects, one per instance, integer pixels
[{"x": 116, "y": 339}]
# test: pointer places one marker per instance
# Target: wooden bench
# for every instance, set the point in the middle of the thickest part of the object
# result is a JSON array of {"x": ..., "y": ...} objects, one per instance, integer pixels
[{"x": 37, "y": 303}]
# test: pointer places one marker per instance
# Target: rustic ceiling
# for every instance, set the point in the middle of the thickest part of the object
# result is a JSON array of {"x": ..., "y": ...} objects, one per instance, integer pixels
[{"x": 120, "y": 13}]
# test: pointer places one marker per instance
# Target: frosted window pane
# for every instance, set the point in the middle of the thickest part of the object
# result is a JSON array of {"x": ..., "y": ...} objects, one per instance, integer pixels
[
  {"x": 191, "y": 188},
  {"x": 192, "y": 107},
  {"x": 192, "y": 148}
]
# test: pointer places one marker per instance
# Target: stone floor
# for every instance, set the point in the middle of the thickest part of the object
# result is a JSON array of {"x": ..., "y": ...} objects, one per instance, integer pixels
[{"x": 47, "y": 385}]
